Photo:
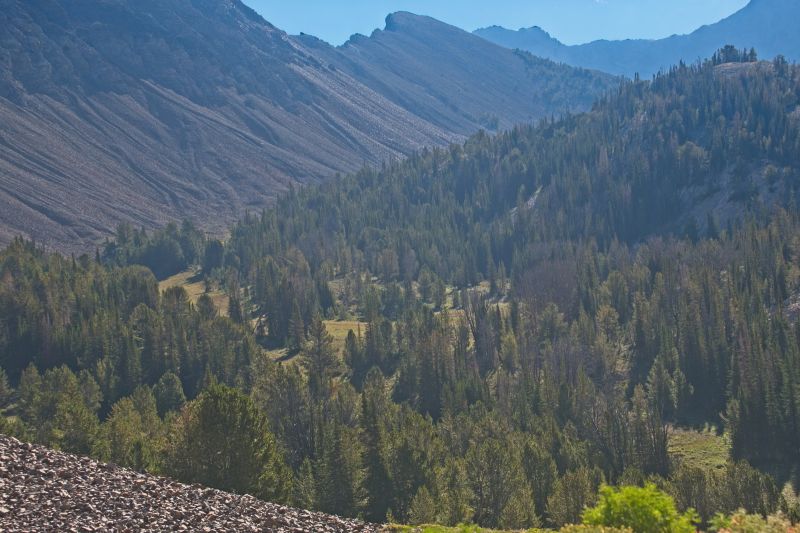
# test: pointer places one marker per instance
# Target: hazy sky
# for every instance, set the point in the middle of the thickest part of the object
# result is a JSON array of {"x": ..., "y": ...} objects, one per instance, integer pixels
[{"x": 571, "y": 21}]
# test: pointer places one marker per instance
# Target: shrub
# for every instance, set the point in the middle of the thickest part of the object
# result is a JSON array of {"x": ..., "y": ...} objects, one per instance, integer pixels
[
  {"x": 594, "y": 529},
  {"x": 790, "y": 503},
  {"x": 741, "y": 522},
  {"x": 641, "y": 509}
]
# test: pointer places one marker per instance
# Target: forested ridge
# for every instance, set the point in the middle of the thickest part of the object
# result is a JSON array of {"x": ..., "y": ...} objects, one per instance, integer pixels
[{"x": 535, "y": 313}]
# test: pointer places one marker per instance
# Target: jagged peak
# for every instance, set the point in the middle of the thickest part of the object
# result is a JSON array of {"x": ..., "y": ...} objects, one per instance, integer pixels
[
  {"x": 536, "y": 29},
  {"x": 398, "y": 19},
  {"x": 405, "y": 20},
  {"x": 356, "y": 38}
]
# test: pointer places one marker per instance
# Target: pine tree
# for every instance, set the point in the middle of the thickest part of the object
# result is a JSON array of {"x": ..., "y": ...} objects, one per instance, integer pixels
[
  {"x": 304, "y": 487},
  {"x": 377, "y": 483},
  {"x": 221, "y": 440},
  {"x": 6, "y": 391},
  {"x": 340, "y": 472},
  {"x": 320, "y": 360},
  {"x": 572, "y": 493},
  {"x": 501, "y": 498},
  {"x": 169, "y": 393},
  {"x": 297, "y": 329}
]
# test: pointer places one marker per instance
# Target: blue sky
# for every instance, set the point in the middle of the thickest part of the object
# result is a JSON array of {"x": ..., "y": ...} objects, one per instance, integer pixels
[{"x": 571, "y": 21}]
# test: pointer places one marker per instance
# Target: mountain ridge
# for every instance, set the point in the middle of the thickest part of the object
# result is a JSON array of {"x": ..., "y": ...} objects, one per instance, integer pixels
[
  {"x": 393, "y": 61},
  {"x": 745, "y": 28},
  {"x": 149, "y": 112}
]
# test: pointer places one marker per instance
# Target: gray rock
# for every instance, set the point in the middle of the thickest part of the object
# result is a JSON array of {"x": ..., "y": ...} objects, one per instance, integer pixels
[{"x": 46, "y": 490}]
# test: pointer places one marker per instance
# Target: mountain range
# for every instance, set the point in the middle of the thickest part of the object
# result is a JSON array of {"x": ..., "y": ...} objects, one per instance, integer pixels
[
  {"x": 150, "y": 111},
  {"x": 769, "y": 26},
  {"x": 591, "y": 318}
]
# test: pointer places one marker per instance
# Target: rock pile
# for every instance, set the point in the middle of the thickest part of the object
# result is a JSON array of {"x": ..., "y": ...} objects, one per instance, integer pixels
[{"x": 45, "y": 490}]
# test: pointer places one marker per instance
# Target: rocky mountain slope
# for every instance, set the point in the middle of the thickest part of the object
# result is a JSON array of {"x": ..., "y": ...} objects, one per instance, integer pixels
[
  {"x": 45, "y": 490},
  {"x": 449, "y": 78},
  {"x": 767, "y": 25},
  {"x": 150, "y": 111}
]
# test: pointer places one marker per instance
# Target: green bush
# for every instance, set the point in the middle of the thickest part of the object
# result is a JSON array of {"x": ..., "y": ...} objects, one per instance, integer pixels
[
  {"x": 476, "y": 529},
  {"x": 643, "y": 509},
  {"x": 741, "y": 522},
  {"x": 593, "y": 529}
]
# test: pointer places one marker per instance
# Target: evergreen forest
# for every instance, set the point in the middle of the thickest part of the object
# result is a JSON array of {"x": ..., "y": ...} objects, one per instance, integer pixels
[{"x": 491, "y": 333}]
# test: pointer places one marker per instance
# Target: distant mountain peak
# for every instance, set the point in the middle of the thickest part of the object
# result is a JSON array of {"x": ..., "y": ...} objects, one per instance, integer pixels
[
  {"x": 533, "y": 38},
  {"x": 401, "y": 19},
  {"x": 498, "y": 28},
  {"x": 769, "y": 26},
  {"x": 356, "y": 38},
  {"x": 535, "y": 29}
]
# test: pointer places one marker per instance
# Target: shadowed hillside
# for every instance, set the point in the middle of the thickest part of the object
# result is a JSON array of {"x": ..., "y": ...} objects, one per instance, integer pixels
[
  {"x": 450, "y": 78},
  {"x": 150, "y": 111}
]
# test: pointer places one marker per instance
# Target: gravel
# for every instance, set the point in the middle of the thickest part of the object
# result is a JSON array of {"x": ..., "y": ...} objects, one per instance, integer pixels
[{"x": 46, "y": 490}]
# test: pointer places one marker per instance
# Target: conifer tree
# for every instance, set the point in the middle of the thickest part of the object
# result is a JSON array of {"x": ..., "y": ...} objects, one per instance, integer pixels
[
  {"x": 320, "y": 360},
  {"x": 221, "y": 440},
  {"x": 374, "y": 415}
]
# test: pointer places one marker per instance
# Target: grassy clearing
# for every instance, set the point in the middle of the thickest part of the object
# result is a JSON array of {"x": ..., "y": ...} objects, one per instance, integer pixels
[
  {"x": 700, "y": 448},
  {"x": 195, "y": 288},
  {"x": 280, "y": 354},
  {"x": 338, "y": 329}
]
